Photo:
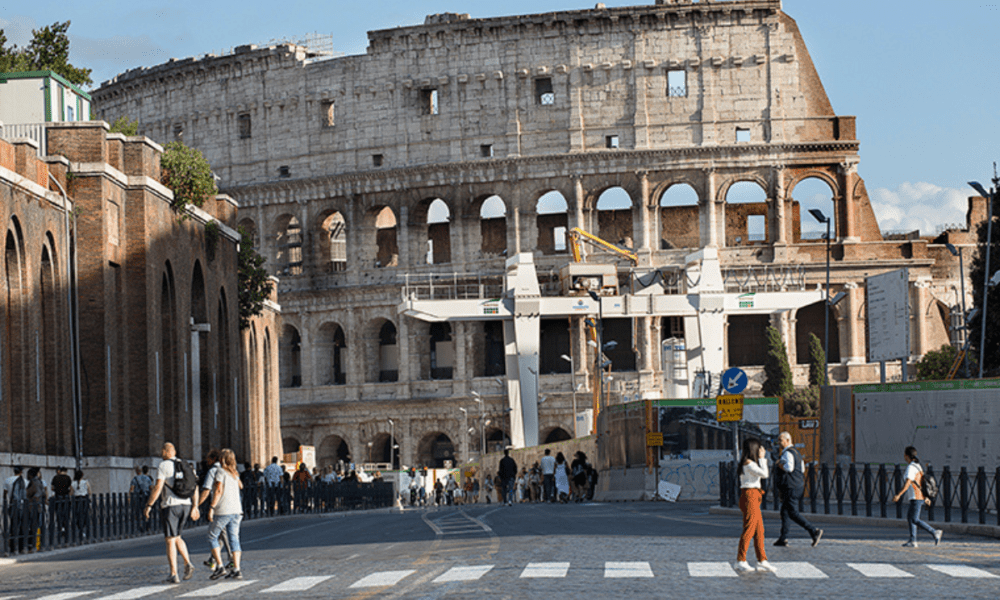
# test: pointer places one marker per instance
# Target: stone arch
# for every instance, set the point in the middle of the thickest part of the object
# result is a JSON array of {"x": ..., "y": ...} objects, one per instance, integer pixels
[
  {"x": 442, "y": 351},
  {"x": 434, "y": 449},
  {"x": 288, "y": 245},
  {"x": 937, "y": 328},
  {"x": 168, "y": 370},
  {"x": 290, "y": 445},
  {"x": 556, "y": 434},
  {"x": 809, "y": 319},
  {"x": 330, "y": 347},
  {"x": 270, "y": 406},
  {"x": 746, "y": 212},
  {"x": 202, "y": 377},
  {"x": 493, "y": 226},
  {"x": 386, "y": 227},
  {"x": 614, "y": 216},
  {"x": 15, "y": 357},
  {"x": 680, "y": 217},
  {"x": 436, "y": 214},
  {"x": 552, "y": 219},
  {"x": 333, "y": 451},
  {"x": 226, "y": 392},
  {"x": 331, "y": 242},
  {"x": 382, "y": 351},
  {"x": 814, "y": 191},
  {"x": 290, "y": 359},
  {"x": 55, "y": 406}
]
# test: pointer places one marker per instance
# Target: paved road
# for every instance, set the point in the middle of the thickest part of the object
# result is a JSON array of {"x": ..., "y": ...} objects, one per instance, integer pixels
[{"x": 560, "y": 551}]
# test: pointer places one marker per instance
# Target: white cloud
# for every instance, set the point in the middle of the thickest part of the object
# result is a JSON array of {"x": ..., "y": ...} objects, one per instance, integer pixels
[{"x": 919, "y": 205}]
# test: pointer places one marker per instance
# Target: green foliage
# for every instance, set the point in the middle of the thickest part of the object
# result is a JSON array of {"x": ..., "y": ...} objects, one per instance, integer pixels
[
  {"x": 125, "y": 126},
  {"x": 991, "y": 357},
  {"x": 186, "y": 172},
  {"x": 803, "y": 403},
  {"x": 777, "y": 372},
  {"x": 47, "y": 51},
  {"x": 255, "y": 287},
  {"x": 211, "y": 238},
  {"x": 817, "y": 361},
  {"x": 936, "y": 363}
]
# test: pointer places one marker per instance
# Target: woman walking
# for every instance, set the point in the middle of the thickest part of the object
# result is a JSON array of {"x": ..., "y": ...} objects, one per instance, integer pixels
[
  {"x": 753, "y": 468},
  {"x": 912, "y": 492},
  {"x": 81, "y": 503},
  {"x": 562, "y": 478},
  {"x": 225, "y": 514}
]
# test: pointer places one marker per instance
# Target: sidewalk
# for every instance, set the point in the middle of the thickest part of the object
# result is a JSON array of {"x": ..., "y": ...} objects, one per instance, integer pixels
[{"x": 992, "y": 531}]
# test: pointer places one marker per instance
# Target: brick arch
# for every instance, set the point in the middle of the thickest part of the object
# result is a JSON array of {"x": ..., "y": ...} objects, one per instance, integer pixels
[
  {"x": 329, "y": 228},
  {"x": 822, "y": 174},
  {"x": 373, "y": 336},
  {"x": 595, "y": 186},
  {"x": 763, "y": 182},
  {"x": 330, "y": 352},
  {"x": 658, "y": 190}
]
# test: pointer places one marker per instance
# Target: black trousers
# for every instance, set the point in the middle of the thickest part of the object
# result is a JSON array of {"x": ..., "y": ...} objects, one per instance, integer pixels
[{"x": 790, "y": 512}]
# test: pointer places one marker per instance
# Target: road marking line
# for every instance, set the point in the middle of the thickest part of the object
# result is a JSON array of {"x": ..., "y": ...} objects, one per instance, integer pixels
[
  {"x": 382, "y": 579},
  {"x": 299, "y": 584},
  {"x": 66, "y": 595},
  {"x": 218, "y": 589},
  {"x": 353, "y": 556},
  {"x": 711, "y": 569},
  {"x": 962, "y": 571},
  {"x": 798, "y": 570},
  {"x": 878, "y": 570},
  {"x": 547, "y": 570},
  {"x": 8, "y": 597},
  {"x": 463, "y": 574},
  {"x": 620, "y": 570},
  {"x": 139, "y": 592}
]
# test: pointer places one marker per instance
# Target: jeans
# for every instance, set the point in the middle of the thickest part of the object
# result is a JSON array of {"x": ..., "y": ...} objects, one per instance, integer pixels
[
  {"x": 913, "y": 518},
  {"x": 549, "y": 485},
  {"x": 231, "y": 525},
  {"x": 790, "y": 512},
  {"x": 509, "y": 487}
]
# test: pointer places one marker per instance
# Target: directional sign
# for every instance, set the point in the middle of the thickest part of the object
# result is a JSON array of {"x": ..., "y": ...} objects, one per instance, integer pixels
[
  {"x": 734, "y": 381},
  {"x": 654, "y": 439},
  {"x": 729, "y": 407}
]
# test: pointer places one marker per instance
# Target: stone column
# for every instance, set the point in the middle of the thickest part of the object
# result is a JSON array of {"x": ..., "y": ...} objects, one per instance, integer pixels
[
  {"x": 578, "y": 214},
  {"x": 779, "y": 207},
  {"x": 305, "y": 350},
  {"x": 709, "y": 216},
  {"x": 852, "y": 331},
  {"x": 404, "y": 357},
  {"x": 515, "y": 214},
  {"x": 403, "y": 237},
  {"x": 462, "y": 375},
  {"x": 921, "y": 299},
  {"x": 848, "y": 230},
  {"x": 643, "y": 241}
]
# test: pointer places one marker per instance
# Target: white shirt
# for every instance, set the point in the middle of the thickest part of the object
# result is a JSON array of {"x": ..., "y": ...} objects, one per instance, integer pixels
[
  {"x": 548, "y": 464},
  {"x": 911, "y": 475},
  {"x": 8, "y": 485},
  {"x": 787, "y": 461},
  {"x": 165, "y": 472},
  {"x": 81, "y": 488},
  {"x": 753, "y": 472}
]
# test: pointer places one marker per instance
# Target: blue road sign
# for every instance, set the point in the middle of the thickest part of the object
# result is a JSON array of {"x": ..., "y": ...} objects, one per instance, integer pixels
[{"x": 734, "y": 380}]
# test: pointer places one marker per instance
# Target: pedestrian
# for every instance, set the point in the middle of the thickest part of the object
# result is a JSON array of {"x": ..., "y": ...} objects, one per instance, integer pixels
[
  {"x": 438, "y": 492},
  {"x": 213, "y": 465},
  {"x": 548, "y": 465},
  {"x": 507, "y": 473},
  {"x": 912, "y": 492},
  {"x": 789, "y": 479},
  {"x": 225, "y": 514},
  {"x": 15, "y": 496},
  {"x": 561, "y": 479},
  {"x": 579, "y": 472},
  {"x": 475, "y": 490},
  {"x": 519, "y": 487},
  {"x": 450, "y": 487},
  {"x": 36, "y": 494},
  {"x": 61, "y": 502},
  {"x": 81, "y": 502},
  {"x": 535, "y": 483},
  {"x": 176, "y": 483},
  {"x": 301, "y": 480},
  {"x": 488, "y": 488},
  {"x": 753, "y": 468},
  {"x": 272, "y": 479}
]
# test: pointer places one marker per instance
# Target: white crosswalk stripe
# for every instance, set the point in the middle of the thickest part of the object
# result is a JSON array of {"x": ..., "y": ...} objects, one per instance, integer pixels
[
  {"x": 962, "y": 571},
  {"x": 463, "y": 573},
  {"x": 139, "y": 592},
  {"x": 624, "y": 570},
  {"x": 66, "y": 595},
  {"x": 876, "y": 570},
  {"x": 798, "y": 570},
  {"x": 299, "y": 584},
  {"x": 552, "y": 570},
  {"x": 218, "y": 589},
  {"x": 382, "y": 579},
  {"x": 711, "y": 569}
]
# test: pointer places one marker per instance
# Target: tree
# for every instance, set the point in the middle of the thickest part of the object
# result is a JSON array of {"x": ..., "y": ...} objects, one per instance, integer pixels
[
  {"x": 125, "y": 126},
  {"x": 255, "y": 285},
  {"x": 936, "y": 364},
  {"x": 186, "y": 172},
  {"x": 817, "y": 361},
  {"x": 47, "y": 51},
  {"x": 803, "y": 403},
  {"x": 991, "y": 357},
  {"x": 777, "y": 372}
]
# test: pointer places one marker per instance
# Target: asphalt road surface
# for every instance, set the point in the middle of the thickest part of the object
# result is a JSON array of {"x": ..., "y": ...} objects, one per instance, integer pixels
[{"x": 648, "y": 550}]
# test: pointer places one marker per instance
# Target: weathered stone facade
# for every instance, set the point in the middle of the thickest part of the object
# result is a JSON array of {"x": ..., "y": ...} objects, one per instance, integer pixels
[{"x": 448, "y": 146}]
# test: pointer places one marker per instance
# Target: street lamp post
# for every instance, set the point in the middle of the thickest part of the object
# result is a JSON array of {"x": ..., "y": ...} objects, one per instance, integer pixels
[
  {"x": 819, "y": 216},
  {"x": 599, "y": 355},
  {"x": 990, "y": 197},
  {"x": 572, "y": 372},
  {"x": 465, "y": 427},
  {"x": 392, "y": 444},
  {"x": 961, "y": 271},
  {"x": 482, "y": 424}
]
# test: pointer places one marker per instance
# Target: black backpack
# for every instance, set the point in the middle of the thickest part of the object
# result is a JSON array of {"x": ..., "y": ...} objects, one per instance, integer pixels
[
  {"x": 929, "y": 486},
  {"x": 19, "y": 491},
  {"x": 185, "y": 480}
]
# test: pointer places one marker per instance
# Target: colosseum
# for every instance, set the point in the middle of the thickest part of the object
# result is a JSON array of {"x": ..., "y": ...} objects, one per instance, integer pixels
[{"x": 417, "y": 202}]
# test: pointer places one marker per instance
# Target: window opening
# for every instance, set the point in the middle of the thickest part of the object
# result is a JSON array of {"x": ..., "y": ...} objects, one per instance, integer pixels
[
  {"x": 284, "y": 172},
  {"x": 742, "y": 134},
  {"x": 430, "y": 101},
  {"x": 329, "y": 113},
  {"x": 677, "y": 84},
  {"x": 486, "y": 150},
  {"x": 243, "y": 125},
  {"x": 377, "y": 160},
  {"x": 611, "y": 141},
  {"x": 544, "y": 94},
  {"x": 178, "y": 132}
]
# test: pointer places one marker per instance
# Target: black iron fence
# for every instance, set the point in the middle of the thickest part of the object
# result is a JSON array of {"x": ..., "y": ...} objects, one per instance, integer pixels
[
  {"x": 72, "y": 521},
  {"x": 867, "y": 490}
]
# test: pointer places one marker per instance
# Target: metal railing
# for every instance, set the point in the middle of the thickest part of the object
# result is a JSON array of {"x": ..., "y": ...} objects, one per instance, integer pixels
[
  {"x": 452, "y": 286},
  {"x": 766, "y": 278},
  {"x": 63, "y": 522},
  {"x": 867, "y": 490}
]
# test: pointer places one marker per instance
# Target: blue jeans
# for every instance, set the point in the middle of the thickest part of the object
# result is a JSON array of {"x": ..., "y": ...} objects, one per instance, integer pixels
[
  {"x": 508, "y": 490},
  {"x": 913, "y": 518},
  {"x": 231, "y": 525}
]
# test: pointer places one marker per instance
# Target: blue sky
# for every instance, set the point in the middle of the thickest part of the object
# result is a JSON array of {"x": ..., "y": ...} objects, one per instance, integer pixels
[{"x": 920, "y": 75}]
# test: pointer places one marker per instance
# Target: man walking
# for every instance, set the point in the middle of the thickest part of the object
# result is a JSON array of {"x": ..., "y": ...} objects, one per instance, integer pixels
[
  {"x": 548, "y": 464},
  {"x": 272, "y": 479},
  {"x": 508, "y": 474},
  {"x": 790, "y": 481},
  {"x": 175, "y": 508}
]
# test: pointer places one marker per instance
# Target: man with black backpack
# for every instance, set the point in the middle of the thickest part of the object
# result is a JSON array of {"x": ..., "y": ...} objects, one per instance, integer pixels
[
  {"x": 177, "y": 482},
  {"x": 790, "y": 482}
]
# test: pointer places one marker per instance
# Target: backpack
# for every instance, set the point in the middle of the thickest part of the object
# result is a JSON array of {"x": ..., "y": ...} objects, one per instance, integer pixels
[
  {"x": 578, "y": 470},
  {"x": 185, "y": 480},
  {"x": 929, "y": 486},
  {"x": 18, "y": 492}
]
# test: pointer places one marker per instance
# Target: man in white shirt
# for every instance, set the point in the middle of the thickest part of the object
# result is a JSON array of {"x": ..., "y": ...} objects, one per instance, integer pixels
[
  {"x": 790, "y": 482},
  {"x": 548, "y": 464},
  {"x": 173, "y": 512},
  {"x": 272, "y": 481}
]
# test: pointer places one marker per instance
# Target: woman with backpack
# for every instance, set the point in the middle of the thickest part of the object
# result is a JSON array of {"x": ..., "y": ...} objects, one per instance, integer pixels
[{"x": 913, "y": 493}]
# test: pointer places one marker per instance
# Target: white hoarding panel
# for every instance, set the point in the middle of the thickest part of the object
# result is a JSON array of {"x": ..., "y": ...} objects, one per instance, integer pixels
[{"x": 888, "y": 316}]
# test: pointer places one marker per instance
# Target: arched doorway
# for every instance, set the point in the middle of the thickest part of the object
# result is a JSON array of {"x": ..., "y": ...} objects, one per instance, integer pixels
[
  {"x": 557, "y": 434},
  {"x": 434, "y": 450}
]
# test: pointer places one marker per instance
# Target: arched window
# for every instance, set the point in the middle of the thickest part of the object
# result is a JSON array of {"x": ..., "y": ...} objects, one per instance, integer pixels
[
  {"x": 331, "y": 367},
  {"x": 14, "y": 353},
  {"x": 332, "y": 243},
  {"x": 291, "y": 357},
  {"x": 438, "y": 233},
  {"x": 746, "y": 214},
  {"x": 614, "y": 217},
  {"x": 812, "y": 194},
  {"x": 493, "y": 226},
  {"x": 680, "y": 225},
  {"x": 442, "y": 351},
  {"x": 434, "y": 450},
  {"x": 552, "y": 219},
  {"x": 201, "y": 371},
  {"x": 388, "y": 353},
  {"x": 167, "y": 360},
  {"x": 289, "y": 246},
  {"x": 387, "y": 248}
]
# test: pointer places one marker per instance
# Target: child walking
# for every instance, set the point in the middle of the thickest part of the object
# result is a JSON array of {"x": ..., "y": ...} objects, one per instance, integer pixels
[{"x": 753, "y": 468}]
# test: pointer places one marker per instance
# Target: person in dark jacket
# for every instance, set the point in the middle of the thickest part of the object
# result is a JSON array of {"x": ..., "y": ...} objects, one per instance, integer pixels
[
  {"x": 790, "y": 481},
  {"x": 508, "y": 474}
]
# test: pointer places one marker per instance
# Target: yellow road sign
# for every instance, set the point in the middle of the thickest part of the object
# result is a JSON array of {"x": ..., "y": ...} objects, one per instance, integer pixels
[
  {"x": 654, "y": 439},
  {"x": 729, "y": 407}
]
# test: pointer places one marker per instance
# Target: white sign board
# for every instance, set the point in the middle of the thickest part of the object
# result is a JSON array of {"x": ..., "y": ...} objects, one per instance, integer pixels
[{"x": 888, "y": 316}]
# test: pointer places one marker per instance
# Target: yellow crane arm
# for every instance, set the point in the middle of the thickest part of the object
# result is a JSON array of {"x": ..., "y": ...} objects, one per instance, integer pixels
[{"x": 576, "y": 235}]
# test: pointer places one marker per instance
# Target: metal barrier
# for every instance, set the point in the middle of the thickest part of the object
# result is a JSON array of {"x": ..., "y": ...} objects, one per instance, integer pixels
[
  {"x": 868, "y": 489},
  {"x": 63, "y": 522}
]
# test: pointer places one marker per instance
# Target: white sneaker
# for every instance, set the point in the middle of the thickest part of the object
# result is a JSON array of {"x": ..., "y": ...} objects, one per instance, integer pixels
[
  {"x": 766, "y": 566},
  {"x": 744, "y": 567}
]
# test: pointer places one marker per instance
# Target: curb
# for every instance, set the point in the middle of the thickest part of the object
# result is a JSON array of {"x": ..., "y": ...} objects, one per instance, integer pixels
[{"x": 991, "y": 531}]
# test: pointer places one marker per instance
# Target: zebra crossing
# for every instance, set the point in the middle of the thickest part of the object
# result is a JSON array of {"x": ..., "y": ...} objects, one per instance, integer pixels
[{"x": 613, "y": 570}]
